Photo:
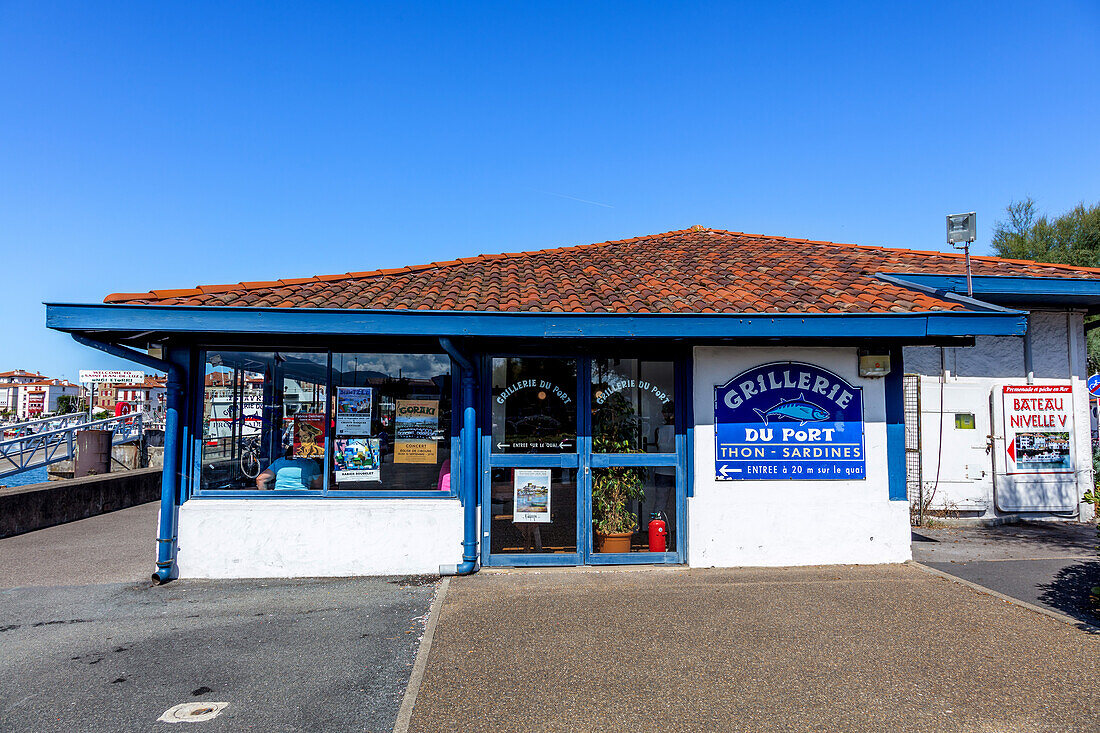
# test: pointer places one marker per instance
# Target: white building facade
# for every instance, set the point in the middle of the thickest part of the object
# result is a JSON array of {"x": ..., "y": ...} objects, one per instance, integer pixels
[{"x": 699, "y": 397}]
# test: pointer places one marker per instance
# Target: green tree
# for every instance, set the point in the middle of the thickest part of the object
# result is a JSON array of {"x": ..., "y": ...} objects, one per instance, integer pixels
[
  {"x": 66, "y": 403},
  {"x": 1073, "y": 238}
]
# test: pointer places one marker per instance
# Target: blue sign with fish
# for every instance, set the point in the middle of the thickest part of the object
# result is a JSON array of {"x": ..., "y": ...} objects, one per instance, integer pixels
[{"x": 788, "y": 420}]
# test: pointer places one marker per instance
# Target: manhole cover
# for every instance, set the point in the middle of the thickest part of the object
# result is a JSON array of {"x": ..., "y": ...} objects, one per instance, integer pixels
[{"x": 192, "y": 712}]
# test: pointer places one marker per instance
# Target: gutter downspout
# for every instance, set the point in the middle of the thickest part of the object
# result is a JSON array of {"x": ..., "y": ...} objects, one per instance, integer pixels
[
  {"x": 166, "y": 535},
  {"x": 468, "y": 484}
]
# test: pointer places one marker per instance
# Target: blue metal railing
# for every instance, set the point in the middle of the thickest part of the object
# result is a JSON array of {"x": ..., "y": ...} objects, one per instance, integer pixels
[{"x": 56, "y": 444}]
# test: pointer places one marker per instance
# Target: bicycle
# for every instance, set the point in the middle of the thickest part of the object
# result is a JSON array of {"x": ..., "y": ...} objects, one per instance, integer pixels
[{"x": 250, "y": 457}]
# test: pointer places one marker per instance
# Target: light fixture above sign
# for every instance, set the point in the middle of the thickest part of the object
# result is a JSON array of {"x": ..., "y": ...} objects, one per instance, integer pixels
[
  {"x": 962, "y": 228},
  {"x": 873, "y": 365}
]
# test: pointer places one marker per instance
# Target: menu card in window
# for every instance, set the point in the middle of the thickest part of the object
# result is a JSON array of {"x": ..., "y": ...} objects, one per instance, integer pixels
[
  {"x": 416, "y": 431},
  {"x": 532, "y": 495}
]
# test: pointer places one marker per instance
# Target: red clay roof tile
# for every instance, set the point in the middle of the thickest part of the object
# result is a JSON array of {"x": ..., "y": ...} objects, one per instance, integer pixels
[{"x": 693, "y": 270}]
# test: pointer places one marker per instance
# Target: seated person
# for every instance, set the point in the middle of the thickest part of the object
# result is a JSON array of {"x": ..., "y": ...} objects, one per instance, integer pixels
[{"x": 291, "y": 474}]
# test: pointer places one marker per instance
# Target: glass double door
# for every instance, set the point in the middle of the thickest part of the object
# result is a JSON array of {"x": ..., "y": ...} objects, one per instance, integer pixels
[{"x": 581, "y": 458}]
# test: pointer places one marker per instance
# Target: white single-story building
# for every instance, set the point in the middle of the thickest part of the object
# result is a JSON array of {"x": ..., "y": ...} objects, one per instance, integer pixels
[{"x": 698, "y": 397}]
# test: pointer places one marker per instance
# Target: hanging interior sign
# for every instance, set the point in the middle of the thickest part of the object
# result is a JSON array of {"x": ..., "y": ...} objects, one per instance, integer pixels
[
  {"x": 353, "y": 410},
  {"x": 1038, "y": 424},
  {"x": 532, "y": 495},
  {"x": 788, "y": 420}
]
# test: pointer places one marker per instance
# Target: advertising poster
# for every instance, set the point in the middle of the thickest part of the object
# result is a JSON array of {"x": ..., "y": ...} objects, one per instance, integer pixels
[
  {"x": 532, "y": 493},
  {"x": 788, "y": 420},
  {"x": 416, "y": 431},
  {"x": 309, "y": 435},
  {"x": 358, "y": 459},
  {"x": 353, "y": 409},
  {"x": 1038, "y": 423}
]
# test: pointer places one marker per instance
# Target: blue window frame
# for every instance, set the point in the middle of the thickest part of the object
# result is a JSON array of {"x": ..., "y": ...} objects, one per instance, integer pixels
[
  {"x": 264, "y": 413},
  {"x": 582, "y": 460}
]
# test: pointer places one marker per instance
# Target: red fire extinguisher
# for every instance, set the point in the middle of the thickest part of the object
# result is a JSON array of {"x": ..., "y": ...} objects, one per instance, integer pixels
[{"x": 658, "y": 532}]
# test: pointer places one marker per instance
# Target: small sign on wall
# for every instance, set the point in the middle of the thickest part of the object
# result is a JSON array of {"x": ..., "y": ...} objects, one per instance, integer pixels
[
  {"x": 1038, "y": 425},
  {"x": 788, "y": 420}
]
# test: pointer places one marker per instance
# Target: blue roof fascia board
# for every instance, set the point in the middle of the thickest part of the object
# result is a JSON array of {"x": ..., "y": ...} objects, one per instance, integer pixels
[
  {"x": 307, "y": 321},
  {"x": 1015, "y": 288}
]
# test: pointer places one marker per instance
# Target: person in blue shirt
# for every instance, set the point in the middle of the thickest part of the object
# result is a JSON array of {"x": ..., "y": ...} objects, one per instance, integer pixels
[{"x": 291, "y": 474}]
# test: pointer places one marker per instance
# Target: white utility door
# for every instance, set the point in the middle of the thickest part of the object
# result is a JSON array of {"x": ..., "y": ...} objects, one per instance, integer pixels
[{"x": 963, "y": 466}]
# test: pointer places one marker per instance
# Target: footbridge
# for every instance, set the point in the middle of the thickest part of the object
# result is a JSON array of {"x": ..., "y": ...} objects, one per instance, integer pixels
[{"x": 53, "y": 439}]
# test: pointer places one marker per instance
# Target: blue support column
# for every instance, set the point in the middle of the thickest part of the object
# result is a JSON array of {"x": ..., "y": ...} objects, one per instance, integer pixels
[
  {"x": 170, "y": 481},
  {"x": 467, "y": 489},
  {"x": 895, "y": 426}
]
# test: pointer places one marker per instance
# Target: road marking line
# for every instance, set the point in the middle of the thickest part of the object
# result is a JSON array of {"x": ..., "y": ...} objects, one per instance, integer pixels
[{"x": 404, "y": 713}]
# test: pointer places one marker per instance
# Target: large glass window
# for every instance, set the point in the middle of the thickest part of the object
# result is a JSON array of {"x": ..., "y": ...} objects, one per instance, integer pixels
[
  {"x": 270, "y": 422},
  {"x": 392, "y": 422},
  {"x": 632, "y": 407},
  {"x": 534, "y": 405},
  {"x": 240, "y": 425},
  {"x": 533, "y": 511},
  {"x": 624, "y": 501}
]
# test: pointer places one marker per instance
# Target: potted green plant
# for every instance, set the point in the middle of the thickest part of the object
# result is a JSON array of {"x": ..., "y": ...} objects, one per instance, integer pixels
[{"x": 616, "y": 488}]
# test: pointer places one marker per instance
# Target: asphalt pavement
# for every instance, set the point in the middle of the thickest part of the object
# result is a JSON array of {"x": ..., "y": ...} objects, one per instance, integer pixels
[
  {"x": 1052, "y": 565},
  {"x": 87, "y": 643}
]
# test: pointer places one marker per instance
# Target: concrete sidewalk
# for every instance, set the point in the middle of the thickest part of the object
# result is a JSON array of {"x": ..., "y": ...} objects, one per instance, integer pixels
[
  {"x": 117, "y": 547},
  {"x": 823, "y": 649}
]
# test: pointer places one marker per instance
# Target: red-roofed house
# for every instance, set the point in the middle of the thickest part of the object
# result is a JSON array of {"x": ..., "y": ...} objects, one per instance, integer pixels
[
  {"x": 773, "y": 401},
  {"x": 27, "y": 395}
]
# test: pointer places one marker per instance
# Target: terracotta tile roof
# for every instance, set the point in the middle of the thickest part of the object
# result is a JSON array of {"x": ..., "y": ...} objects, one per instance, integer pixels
[{"x": 695, "y": 270}]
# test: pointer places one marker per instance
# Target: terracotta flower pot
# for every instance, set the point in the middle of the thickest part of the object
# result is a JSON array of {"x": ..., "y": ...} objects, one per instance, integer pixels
[{"x": 613, "y": 542}]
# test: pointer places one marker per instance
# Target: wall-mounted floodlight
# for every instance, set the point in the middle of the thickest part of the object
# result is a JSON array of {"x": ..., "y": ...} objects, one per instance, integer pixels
[{"x": 963, "y": 228}]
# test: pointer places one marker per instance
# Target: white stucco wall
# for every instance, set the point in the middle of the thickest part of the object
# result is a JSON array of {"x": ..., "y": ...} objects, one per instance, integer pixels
[
  {"x": 777, "y": 523},
  {"x": 241, "y": 538},
  {"x": 964, "y": 468}
]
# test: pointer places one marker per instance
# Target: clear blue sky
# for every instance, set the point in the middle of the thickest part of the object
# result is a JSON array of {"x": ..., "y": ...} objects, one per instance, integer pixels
[{"x": 161, "y": 144}]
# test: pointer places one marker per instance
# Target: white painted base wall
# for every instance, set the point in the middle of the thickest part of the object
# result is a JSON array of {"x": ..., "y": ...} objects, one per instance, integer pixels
[
  {"x": 780, "y": 523},
  {"x": 240, "y": 538}
]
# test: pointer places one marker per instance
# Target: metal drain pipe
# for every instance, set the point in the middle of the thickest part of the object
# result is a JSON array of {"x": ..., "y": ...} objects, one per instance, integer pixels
[
  {"x": 468, "y": 484},
  {"x": 166, "y": 535}
]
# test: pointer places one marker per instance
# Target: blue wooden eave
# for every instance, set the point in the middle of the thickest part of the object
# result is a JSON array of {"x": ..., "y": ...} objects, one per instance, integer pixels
[
  {"x": 192, "y": 320},
  {"x": 1015, "y": 290}
]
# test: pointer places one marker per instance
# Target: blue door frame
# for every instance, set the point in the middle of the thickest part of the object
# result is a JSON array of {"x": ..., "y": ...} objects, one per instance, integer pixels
[{"x": 584, "y": 460}]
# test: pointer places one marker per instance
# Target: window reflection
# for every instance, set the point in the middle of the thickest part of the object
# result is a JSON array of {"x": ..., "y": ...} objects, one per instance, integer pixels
[
  {"x": 534, "y": 405},
  {"x": 632, "y": 407}
]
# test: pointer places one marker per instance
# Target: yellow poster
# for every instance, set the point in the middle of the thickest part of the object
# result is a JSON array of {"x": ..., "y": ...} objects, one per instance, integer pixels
[{"x": 416, "y": 431}]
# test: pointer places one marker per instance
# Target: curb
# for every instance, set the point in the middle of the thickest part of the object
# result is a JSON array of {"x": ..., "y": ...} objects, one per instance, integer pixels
[
  {"x": 1064, "y": 618},
  {"x": 404, "y": 713},
  {"x": 955, "y": 522}
]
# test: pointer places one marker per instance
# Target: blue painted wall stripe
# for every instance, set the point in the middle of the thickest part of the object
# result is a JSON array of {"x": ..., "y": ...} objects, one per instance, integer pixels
[{"x": 895, "y": 426}]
